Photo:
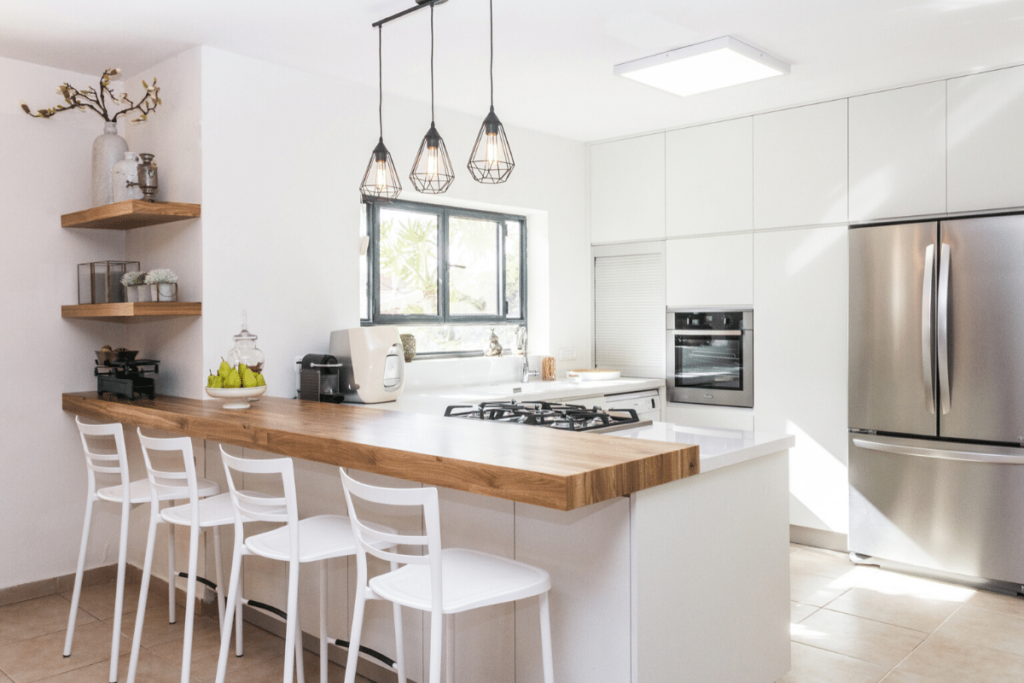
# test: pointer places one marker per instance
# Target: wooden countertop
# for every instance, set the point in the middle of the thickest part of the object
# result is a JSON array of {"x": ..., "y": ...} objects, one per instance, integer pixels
[{"x": 546, "y": 467}]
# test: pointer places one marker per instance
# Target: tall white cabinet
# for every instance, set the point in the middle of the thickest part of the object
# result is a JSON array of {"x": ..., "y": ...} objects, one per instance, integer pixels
[{"x": 627, "y": 190}]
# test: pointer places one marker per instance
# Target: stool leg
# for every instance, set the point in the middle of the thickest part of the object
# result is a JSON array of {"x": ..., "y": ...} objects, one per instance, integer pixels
[
  {"x": 323, "y": 621},
  {"x": 436, "y": 631},
  {"x": 300, "y": 663},
  {"x": 238, "y": 618},
  {"x": 399, "y": 638},
  {"x": 190, "y": 601},
  {"x": 122, "y": 559},
  {"x": 140, "y": 614},
  {"x": 229, "y": 616},
  {"x": 449, "y": 654},
  {"x": 352, "y": 661},
  {"x": 89, "y": 502},
  {"x": 218, "y": 565},
  {"x": 172, "y": 618},
  {"x": 545, "y": 639},
  {"x": 293, "y": 612}
]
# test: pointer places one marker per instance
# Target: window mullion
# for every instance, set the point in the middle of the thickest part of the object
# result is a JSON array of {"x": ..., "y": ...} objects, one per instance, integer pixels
[
  {"x": 444, "y": 268},
  {"x": 502, "y": 295}
]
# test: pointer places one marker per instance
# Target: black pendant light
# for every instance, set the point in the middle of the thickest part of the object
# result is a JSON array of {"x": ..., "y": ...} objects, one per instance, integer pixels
[
  {"x": 432, "y": 171},
  {"x": 380, "y": 182},
  {"x": 491, "y": 160}
]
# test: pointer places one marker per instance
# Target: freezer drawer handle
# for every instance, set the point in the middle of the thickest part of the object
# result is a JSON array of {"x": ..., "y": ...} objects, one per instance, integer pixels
[
  {"x": 962, "y": 456},
  {"x": 926, "y": 327},
  {"x": 943, "y": 335}
]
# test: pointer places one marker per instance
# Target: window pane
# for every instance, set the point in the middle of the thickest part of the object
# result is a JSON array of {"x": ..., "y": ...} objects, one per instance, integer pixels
[
  {"x": 473, "y": 267},
  {"x": 513, "y": 250},
  {"x": 364, "y": 271},
  {"x": 408, "y": 263},
  {"x": 445, "y": 338}
]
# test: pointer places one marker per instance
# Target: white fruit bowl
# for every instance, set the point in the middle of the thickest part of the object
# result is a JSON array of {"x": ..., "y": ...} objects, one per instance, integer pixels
[{"x": 235, "y": 399}]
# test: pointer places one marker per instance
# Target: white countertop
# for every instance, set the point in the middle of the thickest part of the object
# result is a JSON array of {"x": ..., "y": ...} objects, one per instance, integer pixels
[
  {"x": 434, "y": 400},
  {"x": 718, "y": 447}
]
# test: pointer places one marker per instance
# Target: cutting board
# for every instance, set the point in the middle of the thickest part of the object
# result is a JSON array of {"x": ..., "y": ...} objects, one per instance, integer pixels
[{"x": 593, "y": 375}]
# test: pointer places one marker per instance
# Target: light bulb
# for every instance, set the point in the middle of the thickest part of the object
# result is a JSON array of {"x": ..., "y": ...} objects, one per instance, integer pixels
[
  {"x": 382, "y": 175},
  {"x": 431, "y": 163},
  {"x": 492, "y": 149}
]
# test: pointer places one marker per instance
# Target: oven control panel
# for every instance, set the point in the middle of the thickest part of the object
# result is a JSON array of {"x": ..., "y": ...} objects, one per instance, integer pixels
[{"x": 709, "y": 320}]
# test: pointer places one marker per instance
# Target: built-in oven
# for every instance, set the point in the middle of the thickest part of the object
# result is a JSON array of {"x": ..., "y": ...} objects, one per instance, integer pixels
[{"x": 711, "y": 357}]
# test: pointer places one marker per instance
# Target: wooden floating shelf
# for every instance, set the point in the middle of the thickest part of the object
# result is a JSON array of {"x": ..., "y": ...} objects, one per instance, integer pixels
[
  {"x": 133, "y": 213},
  {"x": 124, "y": 312}
]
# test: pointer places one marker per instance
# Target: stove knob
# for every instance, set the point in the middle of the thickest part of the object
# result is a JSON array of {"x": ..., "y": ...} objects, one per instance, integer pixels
[{"x": 727, "y": 320}]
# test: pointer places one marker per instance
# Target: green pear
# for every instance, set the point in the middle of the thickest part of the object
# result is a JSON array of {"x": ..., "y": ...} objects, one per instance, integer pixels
[
  {"x": 211, "y": 379},
  {"x": 224, "y": 369},
  {"x": 248, "y": 378},
  {"x": 232, "y": 381},
  {"x": 218, "y": 382},
  {"x": 260, "y": 382}
]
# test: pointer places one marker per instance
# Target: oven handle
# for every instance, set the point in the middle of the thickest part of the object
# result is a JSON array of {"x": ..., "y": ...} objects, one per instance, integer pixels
[{"x": 707, "y": 333}]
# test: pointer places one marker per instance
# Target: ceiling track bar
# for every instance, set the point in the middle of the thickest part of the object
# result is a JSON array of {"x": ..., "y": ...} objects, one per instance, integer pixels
[{"x": 420, "y": 4}]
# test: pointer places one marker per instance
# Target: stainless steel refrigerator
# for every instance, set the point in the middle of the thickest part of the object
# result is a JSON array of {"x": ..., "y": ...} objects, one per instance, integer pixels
[{"x": 936, "y": 402}]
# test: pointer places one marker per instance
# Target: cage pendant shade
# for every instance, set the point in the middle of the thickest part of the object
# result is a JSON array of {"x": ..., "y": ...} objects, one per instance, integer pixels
[
  {"x": 380, "y": 182},
  {"x": 491, "y": 161},
  {"x": 432, "y": 172}
]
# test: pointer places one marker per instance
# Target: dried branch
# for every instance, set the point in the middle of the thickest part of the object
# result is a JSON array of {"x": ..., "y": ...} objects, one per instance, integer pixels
[{"x": 90, "y": 98}]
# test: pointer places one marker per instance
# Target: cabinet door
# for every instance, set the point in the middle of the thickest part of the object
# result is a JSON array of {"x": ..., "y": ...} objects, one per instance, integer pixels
[
  {"x": 709, "y": 271},
  {"x": 800, "y": 364},
  {"x": 709, "y": 181},
  {"x": 986, "y": 140},
  {"x": 627, "y": 190},
  {"x": 800, "y": 166},
  {"x": 898, "y": 153}
]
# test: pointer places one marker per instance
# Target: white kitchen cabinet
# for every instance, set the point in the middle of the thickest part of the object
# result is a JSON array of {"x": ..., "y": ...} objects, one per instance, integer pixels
[
  {"x": 800, "y": 166},
  {"x": 898, "y": 153},
  {"x": 627, "y": 190},
  {"x": 711, "y": 417},
  {"x": 709, "y": 178},
  {"x": 709, "y": 271},
  {"x": 800, "y": 364},
  {"x": 986, "y": 140}
]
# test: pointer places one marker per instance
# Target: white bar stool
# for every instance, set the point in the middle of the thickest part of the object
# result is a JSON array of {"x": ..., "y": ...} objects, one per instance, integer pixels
[
  {"x": 115, "y": 463},
  {"x": 309, "y": 540},
  {"x": 442, "y": 582},
  {"x": 199, "y": 515}
]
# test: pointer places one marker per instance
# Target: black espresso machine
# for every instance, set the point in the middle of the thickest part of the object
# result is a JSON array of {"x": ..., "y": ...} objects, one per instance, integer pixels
[{"x": 320, "y": 379}]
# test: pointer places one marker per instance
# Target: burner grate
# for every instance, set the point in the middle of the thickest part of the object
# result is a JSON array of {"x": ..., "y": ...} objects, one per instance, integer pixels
[{"x": 566, "y": 416}]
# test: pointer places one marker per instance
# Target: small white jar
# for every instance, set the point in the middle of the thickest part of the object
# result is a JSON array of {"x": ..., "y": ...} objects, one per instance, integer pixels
[{"x": 127, "y": 171}]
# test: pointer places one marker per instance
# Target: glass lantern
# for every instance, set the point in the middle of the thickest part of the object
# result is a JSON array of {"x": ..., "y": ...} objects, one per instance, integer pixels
[{"x": 244, "y": 351}]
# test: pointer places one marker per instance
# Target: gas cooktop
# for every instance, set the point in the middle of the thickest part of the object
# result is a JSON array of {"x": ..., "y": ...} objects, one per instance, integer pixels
[{"x": 566, "y": 416}]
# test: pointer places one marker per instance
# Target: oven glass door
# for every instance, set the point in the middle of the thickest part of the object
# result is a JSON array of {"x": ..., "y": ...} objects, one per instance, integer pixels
[{"x": 709, "y": 361}]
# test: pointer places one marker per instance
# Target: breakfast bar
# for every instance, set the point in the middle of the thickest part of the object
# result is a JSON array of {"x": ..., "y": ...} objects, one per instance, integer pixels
[{"x": 658, "y": 569}]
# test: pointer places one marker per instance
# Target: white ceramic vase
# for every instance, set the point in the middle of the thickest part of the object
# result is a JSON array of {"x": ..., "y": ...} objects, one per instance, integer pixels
[
  {"x": 167, "y": 291},
  {"x": 107, "y": 150},
  {"x": 126, "y": 178},
  {"x": 131, "y": 293}
]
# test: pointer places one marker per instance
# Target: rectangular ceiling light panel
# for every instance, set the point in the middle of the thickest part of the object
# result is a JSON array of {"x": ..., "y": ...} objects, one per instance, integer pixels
[{"x": 711, "y": 65}]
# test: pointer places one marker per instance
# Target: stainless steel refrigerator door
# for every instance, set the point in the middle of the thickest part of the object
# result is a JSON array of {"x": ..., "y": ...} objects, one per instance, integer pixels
[
  {"x": 892, "y": 383},
  {"x": 942, "y": 506},
  {"x": 980, "y": 325}
]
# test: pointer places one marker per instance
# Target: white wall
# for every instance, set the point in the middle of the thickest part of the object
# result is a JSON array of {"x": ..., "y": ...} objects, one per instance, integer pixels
[{"x": 45, "y": 172}]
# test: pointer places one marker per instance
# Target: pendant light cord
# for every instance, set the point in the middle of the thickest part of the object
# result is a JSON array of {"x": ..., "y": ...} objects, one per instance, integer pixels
[
  {"x": 431, "y": 64},
  {"x": 380, "y": 78},
  {"x": 492, "y": 54}
]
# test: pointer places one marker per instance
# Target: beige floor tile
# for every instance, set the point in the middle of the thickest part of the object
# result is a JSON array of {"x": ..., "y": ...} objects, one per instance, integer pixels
[
  {"x": 4, "y": 678},
  {"x": 898, "y": 675},
  {"x": 156, "y": 630},
  {"x": 41, "y": 657},
  {"x": 821, "y": 562},
  {"x": 799, "y": 611},
  {"x": 908, "y": 611},
  {"x": 151, "y": 669},
  {"x": 32, "y": 618},
  {"x": 98, "y": 600},
  {"x": 871, "y": 641},
  {"x": 997, "y": 602},
  {"x": 811, "y": 665},
  {"x": 983, "y": 627},
  {"x": 259, "y": 647},
  {"x": 815, "y": 590},
  {"x": 795, "y": 547},
  {"x": 945, "y": 660}
]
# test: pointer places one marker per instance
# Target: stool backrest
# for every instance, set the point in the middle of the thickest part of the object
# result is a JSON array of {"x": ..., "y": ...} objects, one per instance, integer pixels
[
  {"x": 371, "y": 539},
  {"x": 260, "y": 508},
  {"x": 169, "y": 481},
  {"x": 104, "y": 463}
]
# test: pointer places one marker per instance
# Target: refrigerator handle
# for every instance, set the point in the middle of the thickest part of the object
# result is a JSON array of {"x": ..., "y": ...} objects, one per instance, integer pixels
[
  {"x": 943, "y": 331},
  {"x": 926, "y": 326},
  {"x": 940, "y": 453}
]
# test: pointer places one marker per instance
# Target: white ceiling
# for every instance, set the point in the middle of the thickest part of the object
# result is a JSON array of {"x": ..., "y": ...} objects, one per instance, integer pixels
[{"x": 553, "y": 58}]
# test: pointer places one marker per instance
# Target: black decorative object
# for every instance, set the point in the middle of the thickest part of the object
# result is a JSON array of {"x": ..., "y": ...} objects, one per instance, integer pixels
[
  {"x": 491, "y": 160},
  {"x": 127, "y": 379},
  {"x": 380, "y": 182},
  {"x": 432, "y": 171}
]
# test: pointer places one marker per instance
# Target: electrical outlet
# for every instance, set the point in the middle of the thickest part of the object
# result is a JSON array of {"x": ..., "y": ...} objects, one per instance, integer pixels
[{"x": 567, "y": 354}]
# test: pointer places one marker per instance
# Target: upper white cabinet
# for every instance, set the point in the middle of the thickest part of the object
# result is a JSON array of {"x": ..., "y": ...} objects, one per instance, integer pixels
[
  {"x": 800, "y": 166},
  {"x": 710, "y": 271},
  {"x": 627, "y": 190},
  {"x": 898, "y": 153},
  {"x": 709, "y": 178},
  {"x": 986, "y": 140}
]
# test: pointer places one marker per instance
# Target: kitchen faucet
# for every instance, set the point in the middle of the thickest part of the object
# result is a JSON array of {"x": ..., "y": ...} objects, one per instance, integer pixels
[{"x": 521, "y": 337}]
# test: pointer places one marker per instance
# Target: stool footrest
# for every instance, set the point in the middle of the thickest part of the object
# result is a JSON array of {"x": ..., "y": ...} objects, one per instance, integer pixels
[{"x": 205, "y": 582}]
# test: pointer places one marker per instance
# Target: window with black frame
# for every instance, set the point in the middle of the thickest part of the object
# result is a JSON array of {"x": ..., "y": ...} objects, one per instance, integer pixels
[{"x": 444, "y": 274}]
